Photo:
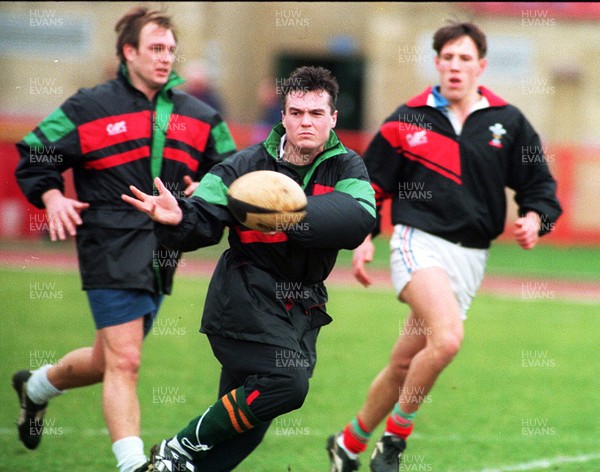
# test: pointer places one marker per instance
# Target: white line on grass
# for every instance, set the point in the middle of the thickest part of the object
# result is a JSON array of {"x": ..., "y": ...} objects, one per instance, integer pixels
[
  {"x": 488, "y": 438},
  {"x": 63, "y": 430},
  {"x": 544, "y": 463}
]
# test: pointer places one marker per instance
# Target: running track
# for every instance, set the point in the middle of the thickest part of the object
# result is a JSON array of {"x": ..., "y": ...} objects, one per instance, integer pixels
[{"x": 520, "y": 287}]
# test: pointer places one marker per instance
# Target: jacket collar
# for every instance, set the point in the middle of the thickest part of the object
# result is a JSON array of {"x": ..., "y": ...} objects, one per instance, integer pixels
[
  {"x": 432, "y": 95},
  {"x": 173, "y": 81},
  {"x": 333, "y": 146}
]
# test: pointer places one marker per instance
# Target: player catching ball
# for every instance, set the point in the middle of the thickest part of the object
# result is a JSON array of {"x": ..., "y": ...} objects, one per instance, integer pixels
[{"x": 251, "y": 319}]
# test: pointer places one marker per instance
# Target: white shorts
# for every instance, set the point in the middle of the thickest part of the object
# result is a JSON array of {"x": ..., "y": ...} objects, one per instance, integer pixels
[{"x": 413, "y": 249}]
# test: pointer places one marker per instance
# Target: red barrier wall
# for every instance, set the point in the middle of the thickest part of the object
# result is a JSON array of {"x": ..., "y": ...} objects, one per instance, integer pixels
[{"x": 571, "y": 165}]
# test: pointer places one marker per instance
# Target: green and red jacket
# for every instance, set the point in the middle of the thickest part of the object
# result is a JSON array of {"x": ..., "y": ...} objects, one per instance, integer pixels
[
  {"x": 261, "y": 275},
  {"x": 112, "y": 136}
]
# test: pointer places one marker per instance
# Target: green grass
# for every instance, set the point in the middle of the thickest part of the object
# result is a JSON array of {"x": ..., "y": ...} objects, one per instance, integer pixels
[
  {"x": 505, "y": 258},
  {"x": 529, "y": 364},
  {"x": 567, "y": 262},
  {"x": 508, "y": 259},
  {"x": 570, "y": 262}
]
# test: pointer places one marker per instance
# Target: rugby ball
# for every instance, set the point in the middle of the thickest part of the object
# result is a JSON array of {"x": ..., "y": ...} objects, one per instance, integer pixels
[{"x": 266, "y": 201}]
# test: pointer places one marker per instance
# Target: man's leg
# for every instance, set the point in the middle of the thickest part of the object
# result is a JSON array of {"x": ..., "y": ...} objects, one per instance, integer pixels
[
  {"x": 384, "y": 390},
  {"x": 77, "y": 368},
  {"x": 436, "y": 310},
  {"x": 227, "y": 455},
  {"x": 430, "y": 296},
  {"x": 270, "y": 389},
  {"x": 122, "y": 348}
]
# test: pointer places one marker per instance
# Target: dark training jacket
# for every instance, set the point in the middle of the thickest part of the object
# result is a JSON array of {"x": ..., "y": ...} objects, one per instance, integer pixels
[
  {"x": 262, "y": 275},
  {"x": 106, "y": 135},
  {"x": 454, "y": 186}
]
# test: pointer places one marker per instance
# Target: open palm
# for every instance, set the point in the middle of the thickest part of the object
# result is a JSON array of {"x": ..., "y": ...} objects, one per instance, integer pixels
[{"x": 162, "y": 208}]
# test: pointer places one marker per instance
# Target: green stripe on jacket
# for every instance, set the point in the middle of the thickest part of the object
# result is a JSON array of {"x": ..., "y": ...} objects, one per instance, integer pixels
[
  {"x": 223, "y": 140},
  {"x": 361, "y": 190},
  {"x": 212, "y": 189},
  {"x": 54, "y": 127}
]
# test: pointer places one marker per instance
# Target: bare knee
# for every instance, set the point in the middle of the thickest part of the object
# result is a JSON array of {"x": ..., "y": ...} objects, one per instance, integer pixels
[
  {"x": 121, "y": 347},
  {"x": 446, "y": 346},
  {"x": 398, "y": 368},
  {"x": 126, "y": 361}
]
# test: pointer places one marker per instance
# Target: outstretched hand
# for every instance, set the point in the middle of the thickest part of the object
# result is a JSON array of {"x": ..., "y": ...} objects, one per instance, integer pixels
[{"x": 162, "y": 208}]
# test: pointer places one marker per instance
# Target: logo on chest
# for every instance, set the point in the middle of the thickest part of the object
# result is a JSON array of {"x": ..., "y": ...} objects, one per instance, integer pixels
[
  {"x": 116, "y": 128},
  {"x": 417, "y": 138},
  {"x": 497, "y": 132}
]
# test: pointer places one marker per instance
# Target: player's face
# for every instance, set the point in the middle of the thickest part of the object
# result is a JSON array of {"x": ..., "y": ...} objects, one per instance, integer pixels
[
  {"x": 307, "y": 119},
  {"x": 150, "y": 64},
  {"x": 459, "y": 68}
]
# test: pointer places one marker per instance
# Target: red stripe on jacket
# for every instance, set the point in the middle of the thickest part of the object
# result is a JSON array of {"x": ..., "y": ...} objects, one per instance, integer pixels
[
  {"x": 116, "y": 129},
  {"x": 190, "y": 131},
  {"x": 181, "y": 156},
  {"x": 433, "y": 150},
  {"x": 118, "y": 159},
  {"x": 253, "y": 236},
  {"x": 319, "y": 189}
]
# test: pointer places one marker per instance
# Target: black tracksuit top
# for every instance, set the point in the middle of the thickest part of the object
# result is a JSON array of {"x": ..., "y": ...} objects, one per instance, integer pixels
[
  {"x": 106, "y": 134},
  {"x": 453, "y": 186},
  {"x": 262, "y": 275}
]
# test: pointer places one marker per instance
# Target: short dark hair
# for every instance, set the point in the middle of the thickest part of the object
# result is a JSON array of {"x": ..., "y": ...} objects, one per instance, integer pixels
[
  {"x": 309, "y": 79},
  {"x": 131, "y": 23},
  {"x": 454, "y": 31}
]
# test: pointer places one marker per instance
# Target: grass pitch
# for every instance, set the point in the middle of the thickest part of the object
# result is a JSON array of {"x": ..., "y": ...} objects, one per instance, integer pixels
[{"x": 523, "y": 390}]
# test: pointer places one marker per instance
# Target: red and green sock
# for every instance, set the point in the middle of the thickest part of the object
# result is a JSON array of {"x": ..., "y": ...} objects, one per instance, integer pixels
[
  {"x": 400, "y": 423},
  {"x": 355, "y": 436}
]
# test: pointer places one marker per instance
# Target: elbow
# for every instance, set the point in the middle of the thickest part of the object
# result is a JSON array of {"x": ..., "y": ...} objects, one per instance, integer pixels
[{"x": 356, "y": 237}]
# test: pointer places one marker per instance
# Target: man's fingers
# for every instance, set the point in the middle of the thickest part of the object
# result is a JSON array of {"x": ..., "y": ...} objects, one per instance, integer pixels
[
  {"x": 138, "y": 193},
  {"x": 73, "y": 216},
  {"x": 68, "y": 224},
  {"x": 81, "y": 206},
  {"x": 362, "y": 277},
  {"x": 358, "y": 269},
  {"x": 139, "y": 205},
  {"x": 159, "y": 186},
  {"x": 52, "y": 232},
  {"x": 59, "y": 229},
  {"x": 190, "y": 189}
]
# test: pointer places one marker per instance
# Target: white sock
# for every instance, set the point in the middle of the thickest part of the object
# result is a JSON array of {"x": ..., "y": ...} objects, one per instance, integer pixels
[
  {"x": 39, "y": 388},
  {"x": 340, "y": 441},
  {"x": 175, "y": 444},
  {"x": 129, "y": 452}
]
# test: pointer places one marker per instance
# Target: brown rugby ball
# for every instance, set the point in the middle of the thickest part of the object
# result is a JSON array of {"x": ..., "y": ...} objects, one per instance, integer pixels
[{"x": 266, "y": 201}]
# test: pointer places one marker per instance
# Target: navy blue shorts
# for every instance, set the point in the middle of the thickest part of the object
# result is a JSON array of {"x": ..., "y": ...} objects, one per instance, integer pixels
[{"x": 111, "y": 307}]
